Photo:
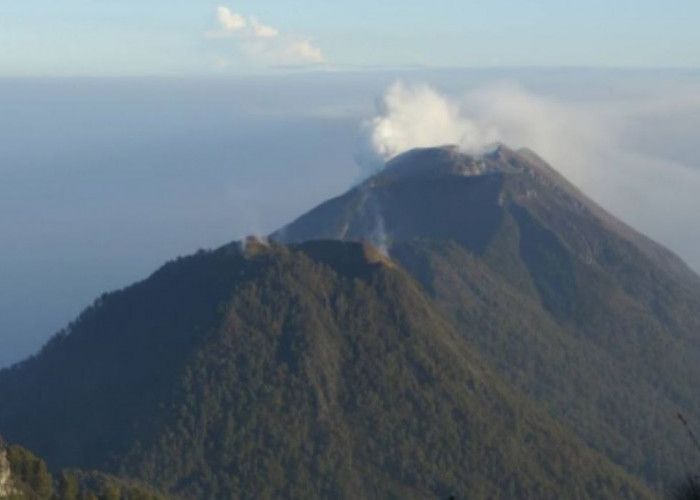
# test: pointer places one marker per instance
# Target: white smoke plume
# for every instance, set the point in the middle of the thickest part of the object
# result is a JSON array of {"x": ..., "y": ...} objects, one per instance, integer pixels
[
  {"x": 588, "y": 142},
  {"x": 378, "y": 236},
  {"x": 411, "y": 116}
]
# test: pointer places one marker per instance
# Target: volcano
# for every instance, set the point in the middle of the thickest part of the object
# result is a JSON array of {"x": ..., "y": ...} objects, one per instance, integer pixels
[
  {"x": 467, "y": 325},
  {"x": 585, "y": 315}
]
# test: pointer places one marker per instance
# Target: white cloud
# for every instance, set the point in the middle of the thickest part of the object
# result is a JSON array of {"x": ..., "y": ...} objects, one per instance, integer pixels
[
  {"x": 303, "y": 51},
  {"x": 261, "y": 44},
  {"x": 230, "y": 23},
  {"x": 599, "y": 146},
  {"x": 262, "y": 31}
]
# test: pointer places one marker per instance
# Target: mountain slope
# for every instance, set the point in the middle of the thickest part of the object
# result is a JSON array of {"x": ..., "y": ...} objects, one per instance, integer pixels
[
  {"x": 590, "y": 318},
  {"x": 316, "y": 370},
  {"x": 24, "y": 476}
]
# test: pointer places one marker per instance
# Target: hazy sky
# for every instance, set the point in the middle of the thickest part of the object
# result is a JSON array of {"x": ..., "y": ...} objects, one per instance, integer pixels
[
  {"x": 103, "y": 180},
  {"x": 187, "y": 37},
  {"x": 132, "y": 132}
]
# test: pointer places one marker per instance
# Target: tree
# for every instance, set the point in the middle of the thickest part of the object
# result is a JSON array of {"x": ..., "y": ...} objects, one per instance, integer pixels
[{"x": 68, "y": 487}]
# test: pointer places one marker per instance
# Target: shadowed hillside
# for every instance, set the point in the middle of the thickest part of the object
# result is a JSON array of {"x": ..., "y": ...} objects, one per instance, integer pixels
[{"x": 319, "y": 370}]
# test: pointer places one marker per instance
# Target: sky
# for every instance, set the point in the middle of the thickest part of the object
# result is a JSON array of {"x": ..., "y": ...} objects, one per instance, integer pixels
[
  {"x": 135, "y": 132},
  {"x": 102, "y": 180},
  {"x": 196, "y": 38}
]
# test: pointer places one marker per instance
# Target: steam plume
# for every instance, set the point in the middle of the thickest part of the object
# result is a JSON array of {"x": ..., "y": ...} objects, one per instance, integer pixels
[
  {"x": 586, "y": 142},
  {"x": 411, "y": 116}
]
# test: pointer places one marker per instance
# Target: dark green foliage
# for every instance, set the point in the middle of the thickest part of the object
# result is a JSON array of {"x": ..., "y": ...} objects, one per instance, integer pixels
[
  {"x": 688, "y": 490},
  {"x": 324, "y": 372},
  {"x": 549, "y": 263},
  {"x": 108, "y": 487},
  {"x": 29, "y": 474},
  {"x": 582, "y": 382},
  {"x": 68, "y": 487},
  {"x": 589, "y": 318},
  {"x": 108, "y": 368},
  {"x": 30, "y": 480}
]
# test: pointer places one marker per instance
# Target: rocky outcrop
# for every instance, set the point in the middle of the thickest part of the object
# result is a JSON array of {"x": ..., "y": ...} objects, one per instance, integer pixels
[{"x": 6, "y": 488}]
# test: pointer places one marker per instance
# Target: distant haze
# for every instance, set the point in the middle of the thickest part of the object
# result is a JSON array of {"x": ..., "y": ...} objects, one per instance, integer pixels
[{"x": 102, "y": 180}]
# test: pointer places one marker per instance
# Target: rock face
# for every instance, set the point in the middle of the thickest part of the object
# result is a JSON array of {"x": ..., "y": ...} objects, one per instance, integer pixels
[{"x": 6, "y": 488}]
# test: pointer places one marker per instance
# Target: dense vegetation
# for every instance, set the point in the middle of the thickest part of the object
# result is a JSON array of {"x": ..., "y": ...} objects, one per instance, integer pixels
[
  {"x": 313, "y": 371},
  {"x": 519, "y": 343},
  {"x": 29, "y": 479},
  {"x": 590, "y": 319}
]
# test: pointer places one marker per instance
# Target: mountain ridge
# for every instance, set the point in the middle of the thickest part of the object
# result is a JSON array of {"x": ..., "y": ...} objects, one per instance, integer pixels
[
  {"x": 328, "y": 372},
  {"x": 598, "y": 301},
  {"x": 449, "y": 160},
  {"x": 484, "y": 330}
]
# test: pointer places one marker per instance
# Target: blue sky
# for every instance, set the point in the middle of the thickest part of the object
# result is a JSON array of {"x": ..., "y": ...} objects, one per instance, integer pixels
[{"x": 81, "y": 37}]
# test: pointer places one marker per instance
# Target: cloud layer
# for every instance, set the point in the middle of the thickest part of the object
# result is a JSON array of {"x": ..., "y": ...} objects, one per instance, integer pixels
[{"x": 260, "y": 43}]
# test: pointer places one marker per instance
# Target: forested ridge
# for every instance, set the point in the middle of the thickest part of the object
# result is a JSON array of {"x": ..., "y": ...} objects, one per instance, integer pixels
[
  {"x": 23, "y": 476},
  {"x": 590, "y": 319},
  {"x": 322, "y": 370},
  {"x": 454, "y": 325}
]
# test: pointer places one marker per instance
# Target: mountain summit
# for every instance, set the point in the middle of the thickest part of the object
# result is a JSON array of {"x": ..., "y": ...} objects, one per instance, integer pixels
[
  {"x": 503, "y": 337},
  {"x": 447, "y": 160},
  {"x": 584, "y": 314},
  {"x": 442, "y": 192}
]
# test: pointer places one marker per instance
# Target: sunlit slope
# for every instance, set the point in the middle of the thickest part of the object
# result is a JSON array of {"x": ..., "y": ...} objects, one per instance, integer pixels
[{"x": 590, "y": 318}]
